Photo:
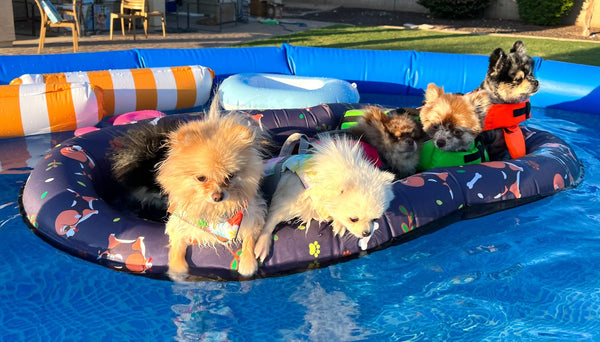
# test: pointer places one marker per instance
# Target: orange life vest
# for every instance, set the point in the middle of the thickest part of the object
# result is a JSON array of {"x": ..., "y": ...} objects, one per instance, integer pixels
[{"x": 508, "y": 117}]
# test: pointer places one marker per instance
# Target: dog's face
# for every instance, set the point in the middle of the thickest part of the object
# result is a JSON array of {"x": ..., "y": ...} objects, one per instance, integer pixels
[
  {"x": 395, "y": 135},
  {"x": 357, "y": 211},
  {"x": 453, "y": 121},
  {"x": 212, "y": 167},
  {"x": 397, "y": 130},
  {"x": 510, "y": 76}
]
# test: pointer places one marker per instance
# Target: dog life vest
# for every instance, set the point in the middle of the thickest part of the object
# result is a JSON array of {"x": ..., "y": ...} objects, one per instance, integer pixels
[
  {"x": 432, "y": 156},
  {"x": 352, "y": 116},
  {"x": 508, "y": 117},
  {"x": 223, "y": 231}
]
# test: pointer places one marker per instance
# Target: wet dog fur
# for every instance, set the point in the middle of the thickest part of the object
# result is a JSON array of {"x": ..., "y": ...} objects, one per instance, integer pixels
[{"x": 345, "y": 189}]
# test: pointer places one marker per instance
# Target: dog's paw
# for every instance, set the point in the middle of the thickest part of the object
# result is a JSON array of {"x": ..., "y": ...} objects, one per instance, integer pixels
[
  {"x": 248, "y": 265},
  {"x": 263, "y": 246},
  {"x": 178, "y": 277},
  {"x": 178, "y": 271}
]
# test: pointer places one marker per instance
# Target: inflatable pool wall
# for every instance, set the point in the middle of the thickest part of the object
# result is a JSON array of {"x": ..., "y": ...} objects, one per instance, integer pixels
[{"x": 564, "y": 86}]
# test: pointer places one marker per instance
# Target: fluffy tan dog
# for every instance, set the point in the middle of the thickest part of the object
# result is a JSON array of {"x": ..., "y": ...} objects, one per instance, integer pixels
[
  {"x": 335, "y": 183},
  {"x": 211, "y": 175}
]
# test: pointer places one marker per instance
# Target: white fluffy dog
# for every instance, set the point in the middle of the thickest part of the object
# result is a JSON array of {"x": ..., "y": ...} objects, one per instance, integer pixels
[{"x": 335, "y": 183}]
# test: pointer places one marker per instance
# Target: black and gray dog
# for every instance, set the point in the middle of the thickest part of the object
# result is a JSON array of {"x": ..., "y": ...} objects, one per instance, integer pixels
[{"x": 509, "y": 80}]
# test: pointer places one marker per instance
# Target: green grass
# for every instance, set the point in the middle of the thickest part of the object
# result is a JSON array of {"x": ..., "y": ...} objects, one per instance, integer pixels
[{"x": 382, "y": 38}]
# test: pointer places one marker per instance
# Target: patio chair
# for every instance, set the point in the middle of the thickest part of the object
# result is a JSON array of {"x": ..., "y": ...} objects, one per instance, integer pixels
[
  {"x": 131, "y": 10},
  {"x": 73, "y": 10},
  {"x": 51, "y": 18}
]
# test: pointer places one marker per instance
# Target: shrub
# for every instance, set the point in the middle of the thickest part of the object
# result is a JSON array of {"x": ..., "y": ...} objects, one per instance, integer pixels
[
  {"x": 455, "y": 9},
  {"x": 543, "y": 12}
]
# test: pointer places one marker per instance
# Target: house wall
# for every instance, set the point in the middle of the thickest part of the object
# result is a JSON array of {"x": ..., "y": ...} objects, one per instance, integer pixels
[
  {"x": 7, "y": 24},
  {"x": 499, "y": 9}
]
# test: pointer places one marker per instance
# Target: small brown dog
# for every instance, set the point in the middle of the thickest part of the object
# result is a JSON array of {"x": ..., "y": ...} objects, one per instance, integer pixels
[
  {"x": 395, "y": 135},
  {"x": 211, "y": 175},
  {"x": 453, "y": 121}
]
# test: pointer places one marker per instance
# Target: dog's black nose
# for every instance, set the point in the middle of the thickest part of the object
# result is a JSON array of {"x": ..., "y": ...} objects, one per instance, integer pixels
[
  {"x": 365, "y": 234},
  {"x": 440, "y": 143},
  {"x": 217, "y": 196}
]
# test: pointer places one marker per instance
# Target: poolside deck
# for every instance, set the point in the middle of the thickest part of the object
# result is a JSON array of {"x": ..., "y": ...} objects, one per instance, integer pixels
[{"x": 179, "y": 36}]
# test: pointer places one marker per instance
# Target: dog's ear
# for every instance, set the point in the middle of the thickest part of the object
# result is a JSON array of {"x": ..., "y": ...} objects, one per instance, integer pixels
[
  {"x": 433, "y": 92},
  {"x": 242, "y": 133},
  {"x": 481, "y": 103},
  {"x": 518, "y": 47},
  {"x": 374, "y": 113},
  {"x": 497, "y": 60}
]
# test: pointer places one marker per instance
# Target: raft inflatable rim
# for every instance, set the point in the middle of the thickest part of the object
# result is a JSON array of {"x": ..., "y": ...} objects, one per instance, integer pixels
[{"x": 66, "y": 202}]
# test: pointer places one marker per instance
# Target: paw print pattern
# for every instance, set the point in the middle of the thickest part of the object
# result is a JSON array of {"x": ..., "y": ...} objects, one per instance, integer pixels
[{"x": 314, "y": 249}]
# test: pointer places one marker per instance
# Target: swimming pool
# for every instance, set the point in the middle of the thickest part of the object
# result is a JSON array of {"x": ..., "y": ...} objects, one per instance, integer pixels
[{"x": 527, "y": 273}]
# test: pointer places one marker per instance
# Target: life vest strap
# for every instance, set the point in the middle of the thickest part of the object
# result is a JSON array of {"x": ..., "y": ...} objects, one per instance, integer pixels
[
  {"x": 479, "y": 155},
  {"x": 515, "y": 141}
]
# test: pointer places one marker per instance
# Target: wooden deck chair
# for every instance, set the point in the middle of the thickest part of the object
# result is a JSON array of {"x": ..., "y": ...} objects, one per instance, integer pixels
[
  {"x": 74, "y": 11},
  {"x": 51, "y": 18},
  {"x": 131, "y": 10},
  {"x": 162, "y": 20}
]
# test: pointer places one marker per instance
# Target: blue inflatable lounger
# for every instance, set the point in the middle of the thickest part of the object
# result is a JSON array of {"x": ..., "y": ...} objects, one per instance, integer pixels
[{"x": 277, "y": 91}]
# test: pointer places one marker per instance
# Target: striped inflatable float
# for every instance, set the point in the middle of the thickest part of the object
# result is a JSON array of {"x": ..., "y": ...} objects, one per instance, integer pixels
[
  {"x": 128, "y": 90},
  {"x": 28, "y": 109}
]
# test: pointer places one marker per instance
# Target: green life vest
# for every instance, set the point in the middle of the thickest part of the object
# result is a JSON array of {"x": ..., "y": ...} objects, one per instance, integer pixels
[
  {"x": 432, "y": 156},
  {"x": 351, "y": 117}
]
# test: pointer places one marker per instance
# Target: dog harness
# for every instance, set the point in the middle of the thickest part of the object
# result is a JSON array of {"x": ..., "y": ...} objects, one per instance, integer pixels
[
  {"x": 508, "y": 117},
  {"x": 297, "y": 163},
  {"x": 295, "y": 156},
  {"x": 223, "y": 231},
  {"x": 432, "y": 156}
]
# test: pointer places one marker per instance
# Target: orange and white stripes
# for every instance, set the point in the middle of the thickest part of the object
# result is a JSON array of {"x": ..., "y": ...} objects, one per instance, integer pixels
[
  {"x": 128, "y": 90},
  {"x": 29, "y": 109}
]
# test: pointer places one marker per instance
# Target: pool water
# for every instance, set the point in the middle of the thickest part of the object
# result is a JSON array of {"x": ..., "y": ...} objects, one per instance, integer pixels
[{"x": 524, "y": 274}]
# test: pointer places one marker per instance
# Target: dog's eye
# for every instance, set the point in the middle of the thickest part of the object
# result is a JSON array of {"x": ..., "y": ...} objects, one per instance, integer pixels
[
  {"x": 435, "y": 126},
  {"x": 353, "y": 219},
  {"x": 518, "y": 80},
  {"x": 227, "y": 179},
  {"x": 201, "y": 179},
  {"x": 458, "y": 133}
]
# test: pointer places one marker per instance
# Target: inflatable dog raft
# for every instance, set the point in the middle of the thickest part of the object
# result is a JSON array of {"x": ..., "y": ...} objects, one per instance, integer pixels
[{"x": 66, "y": 201}]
